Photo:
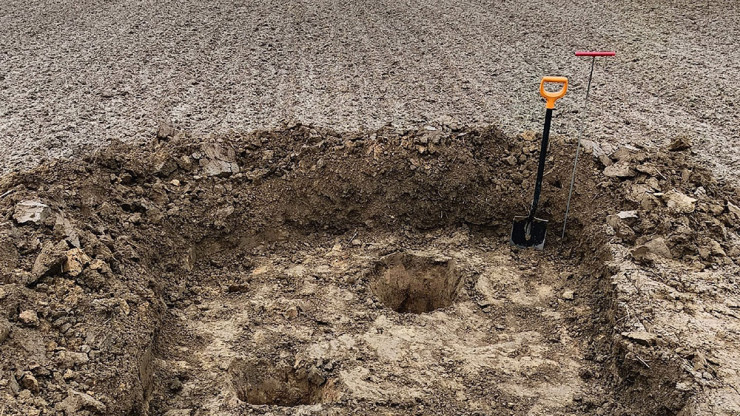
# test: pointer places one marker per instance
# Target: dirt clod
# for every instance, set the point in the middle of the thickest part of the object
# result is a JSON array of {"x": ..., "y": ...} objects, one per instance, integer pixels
[
  {"x": 679, "y": 202},
  {"x": 680, "y": 143},
  {"x": 641, "y": 337},
  {"x": 29, "y": 318},
  {"x": 77, "y": 401},
  {"x": 619, "y": 170}
]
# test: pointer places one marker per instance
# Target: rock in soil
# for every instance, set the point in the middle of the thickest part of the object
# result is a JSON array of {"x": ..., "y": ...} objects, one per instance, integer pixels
[
  {"x": 619, "y": 170},
  {"x": 641, "y": 337},
  {"x": 31, "y": 211},
  {"x": 29, "y": 318},
  {"x": 51, "y": 259},
  {"x": 77, "y": 401},
  {"x": 679, "y": 202}
]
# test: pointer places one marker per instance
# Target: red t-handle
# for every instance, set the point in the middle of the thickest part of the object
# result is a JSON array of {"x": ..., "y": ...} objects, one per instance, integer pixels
[{"x": 595, "y": 53}]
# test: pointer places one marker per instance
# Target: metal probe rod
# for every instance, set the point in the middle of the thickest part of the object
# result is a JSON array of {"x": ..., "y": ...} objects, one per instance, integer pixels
[{"x": 578, "y": 146}]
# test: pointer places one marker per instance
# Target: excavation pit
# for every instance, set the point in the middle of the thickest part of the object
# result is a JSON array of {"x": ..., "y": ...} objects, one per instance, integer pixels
[
  {"x": 409, "y": 283},
  {"x": 172, "y": 250},
  {"x": 261, "y": 382}
]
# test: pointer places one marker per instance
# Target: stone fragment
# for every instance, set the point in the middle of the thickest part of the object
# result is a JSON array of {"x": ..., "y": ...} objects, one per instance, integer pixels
[
  {"x": 651, "y": 250},
  {"x": 623, "y": 154},
  {"x": 641, "y": 337},
  {"x": 684, "y": 386},
  {"x": 29, "y": 318},
  {"x": 734, "y": 252},
  {"x": 51, "y": 259},
  {"x": 659, "y": 247},
  {"x": 625, "y": 231},
  {"x": 627, "y": 214},
  {"x": 680, "y": 143},
  {"x": 77, "y": 401},
  {"x": 648, "y": 170},
  {"x": 716, "y": 249},
  {"x": 605, "y": 160},
  {"x": 219, "y": 167},
  {"x": 31, "y": 211},
  {"x": 592, "y": 147},
  {"x": 569, "y": 295},
  {"x": 653, "y": 183},
  {"x": 75, "y": 261},
  {"x": 69, "y": 359},
  {"x": 100, "y": 266},
  {"x": 164, "y": 164},
  {"x": 679, "y": 202},
  {"x": 704, "y": 253},
  {"x": 219, "y": 160},
  {"x": 619, "y": 170},
  {"x": 511, "y": 160},
  {"x": 15, "y": 388}
]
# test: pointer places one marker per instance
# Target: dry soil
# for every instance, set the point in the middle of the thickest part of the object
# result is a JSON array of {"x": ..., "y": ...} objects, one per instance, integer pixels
[
  {"x": 302, "y": 271},
  {"x": 78, "y": 74}
]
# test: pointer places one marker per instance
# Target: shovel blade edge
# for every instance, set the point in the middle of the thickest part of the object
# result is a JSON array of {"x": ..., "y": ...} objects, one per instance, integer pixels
[{"x": 535, "y": 238}]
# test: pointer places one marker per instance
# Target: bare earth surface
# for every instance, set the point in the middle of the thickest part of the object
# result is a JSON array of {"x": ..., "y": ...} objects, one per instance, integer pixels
[
  {"x": 76, "y": 74},
  {"x": 303, "y": 207},
  {"x": 306, "y": 272}
]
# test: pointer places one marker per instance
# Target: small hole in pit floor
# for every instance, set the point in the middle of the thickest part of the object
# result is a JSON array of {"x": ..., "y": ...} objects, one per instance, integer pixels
[
  {"x": 410, "y": 283},
  {"x": 262, "y": 382}
]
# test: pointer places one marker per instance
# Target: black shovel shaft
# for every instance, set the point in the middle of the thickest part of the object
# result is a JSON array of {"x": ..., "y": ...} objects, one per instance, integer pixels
[{"x": 541, "y": 166}]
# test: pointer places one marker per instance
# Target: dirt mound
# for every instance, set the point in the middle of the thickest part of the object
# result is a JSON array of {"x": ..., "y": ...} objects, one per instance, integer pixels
[{"x": 221, "y": 275}]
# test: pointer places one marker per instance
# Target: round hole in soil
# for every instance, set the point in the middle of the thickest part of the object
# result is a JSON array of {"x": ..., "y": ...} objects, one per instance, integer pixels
[
  {"x": 410, "y": 283},
  {"x": 262, "y": 382}
]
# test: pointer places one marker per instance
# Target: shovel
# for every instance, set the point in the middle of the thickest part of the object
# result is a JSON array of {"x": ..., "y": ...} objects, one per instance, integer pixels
[{"x": 530, "y": 231}]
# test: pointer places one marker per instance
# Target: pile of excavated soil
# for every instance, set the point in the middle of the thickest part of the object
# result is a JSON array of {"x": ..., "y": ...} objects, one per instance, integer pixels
[{"x": 302, "y": 271}]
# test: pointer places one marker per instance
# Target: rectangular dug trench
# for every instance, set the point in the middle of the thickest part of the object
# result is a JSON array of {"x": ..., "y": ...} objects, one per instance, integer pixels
[
  {"x": 377, "y": 275},
  {"x": 304, "y": 271}
]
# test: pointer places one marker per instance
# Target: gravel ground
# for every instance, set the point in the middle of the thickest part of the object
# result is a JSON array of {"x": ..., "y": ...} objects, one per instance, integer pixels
[{"x": 76, "y": 74}]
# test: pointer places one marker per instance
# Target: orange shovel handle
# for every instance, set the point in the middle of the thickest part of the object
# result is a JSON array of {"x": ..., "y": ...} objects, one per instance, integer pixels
[{"x": 551, "y": 97}]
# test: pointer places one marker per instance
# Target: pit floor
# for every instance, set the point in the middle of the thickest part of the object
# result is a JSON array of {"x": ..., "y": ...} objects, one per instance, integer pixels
[{"x": 515, "y": 340}]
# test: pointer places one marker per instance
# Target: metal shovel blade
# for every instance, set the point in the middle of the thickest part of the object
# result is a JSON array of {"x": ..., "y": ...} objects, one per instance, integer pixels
[{"x": 529, "y": 233}]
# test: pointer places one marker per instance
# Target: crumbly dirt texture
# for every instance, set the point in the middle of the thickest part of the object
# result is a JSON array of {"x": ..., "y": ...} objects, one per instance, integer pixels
[
  {"x": 76, "y": 74},
  {"x": 304, "y": 271}
]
